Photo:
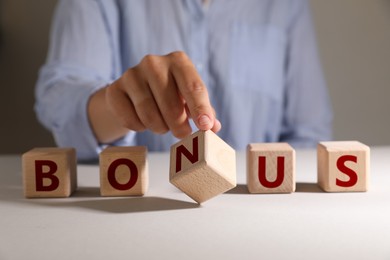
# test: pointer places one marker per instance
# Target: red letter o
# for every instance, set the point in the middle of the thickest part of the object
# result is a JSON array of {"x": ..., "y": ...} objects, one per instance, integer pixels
[{"x": 133, "y": 174}]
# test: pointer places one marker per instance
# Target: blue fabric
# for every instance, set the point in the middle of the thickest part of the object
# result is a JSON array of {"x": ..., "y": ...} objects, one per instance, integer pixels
[{"x": 258, "y": 59}]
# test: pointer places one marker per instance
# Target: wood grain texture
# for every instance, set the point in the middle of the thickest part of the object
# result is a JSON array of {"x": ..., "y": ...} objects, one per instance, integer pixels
[
  {"x": 210, "y": 173},
  {"x": 48, "y": 166},
  {"x": 353, "y": 170},
  {"x": 271, "y": 182},
  {"x": 119, "y": 166}
]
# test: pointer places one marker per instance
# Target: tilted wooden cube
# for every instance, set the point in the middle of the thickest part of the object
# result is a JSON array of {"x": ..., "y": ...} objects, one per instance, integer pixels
[
  {"x": 343, "y": 166},
  {"x": 270, "y": 168},
  {"x": 123, "y": 171},
  {"x": 203, "y": 166},
  {"x": 49, "y": 172}
]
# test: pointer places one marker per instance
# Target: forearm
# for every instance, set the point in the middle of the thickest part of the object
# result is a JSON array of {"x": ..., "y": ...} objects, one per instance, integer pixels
[
  {"x": 61, "y": 106},
  {"x": 104, "y": 124}
]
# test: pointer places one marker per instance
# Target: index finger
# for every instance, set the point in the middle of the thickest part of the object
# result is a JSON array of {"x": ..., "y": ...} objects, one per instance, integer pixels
[{"x": 193, "y": 90}]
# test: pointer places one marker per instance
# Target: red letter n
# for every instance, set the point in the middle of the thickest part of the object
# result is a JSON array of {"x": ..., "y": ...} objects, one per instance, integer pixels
[{"x": 192, "y": 157}]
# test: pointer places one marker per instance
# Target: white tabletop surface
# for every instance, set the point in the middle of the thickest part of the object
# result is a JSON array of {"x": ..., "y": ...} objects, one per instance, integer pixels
[{"x": 166, "y": 224}]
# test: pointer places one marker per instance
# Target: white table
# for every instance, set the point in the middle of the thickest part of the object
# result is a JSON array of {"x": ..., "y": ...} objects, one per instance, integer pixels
[{"x": 166, "y": 224}]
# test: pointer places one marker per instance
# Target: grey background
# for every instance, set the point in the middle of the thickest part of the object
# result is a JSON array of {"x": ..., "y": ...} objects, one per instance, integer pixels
[{"x": 354, "y": 43}]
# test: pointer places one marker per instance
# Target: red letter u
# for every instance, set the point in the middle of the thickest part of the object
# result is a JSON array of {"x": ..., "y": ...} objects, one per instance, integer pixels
[{"x": 262, "y": 173}]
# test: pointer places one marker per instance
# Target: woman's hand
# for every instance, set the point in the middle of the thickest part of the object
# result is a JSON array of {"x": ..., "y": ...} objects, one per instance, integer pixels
[{"x": 160, "y": 94}]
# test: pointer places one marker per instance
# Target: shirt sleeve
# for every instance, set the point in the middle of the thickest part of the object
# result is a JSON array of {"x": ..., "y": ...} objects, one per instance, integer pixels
[
  {"x": 308, "y": 115},
  {"x": 82, "y": 58}
]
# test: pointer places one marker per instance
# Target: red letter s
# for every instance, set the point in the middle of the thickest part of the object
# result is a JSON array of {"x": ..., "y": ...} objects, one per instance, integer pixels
[{"x": 353, "y": 178}]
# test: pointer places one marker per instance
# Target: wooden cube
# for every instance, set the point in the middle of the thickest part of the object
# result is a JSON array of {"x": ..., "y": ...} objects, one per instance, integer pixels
[
  {"x": 343, "y": 166},
  {"x": 123, "y": 171},
  {"x": 49, "y": 172},
  {"x": 270, "y": 168},
  {"x": 203, "y": 166}
]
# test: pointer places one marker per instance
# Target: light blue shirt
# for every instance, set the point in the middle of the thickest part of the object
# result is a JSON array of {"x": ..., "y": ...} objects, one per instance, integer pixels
[{"x": 257, "y": 58}]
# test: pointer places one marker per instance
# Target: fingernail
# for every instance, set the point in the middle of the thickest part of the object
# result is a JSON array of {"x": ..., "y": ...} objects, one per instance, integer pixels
[{"x": 204, "y": 121}]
